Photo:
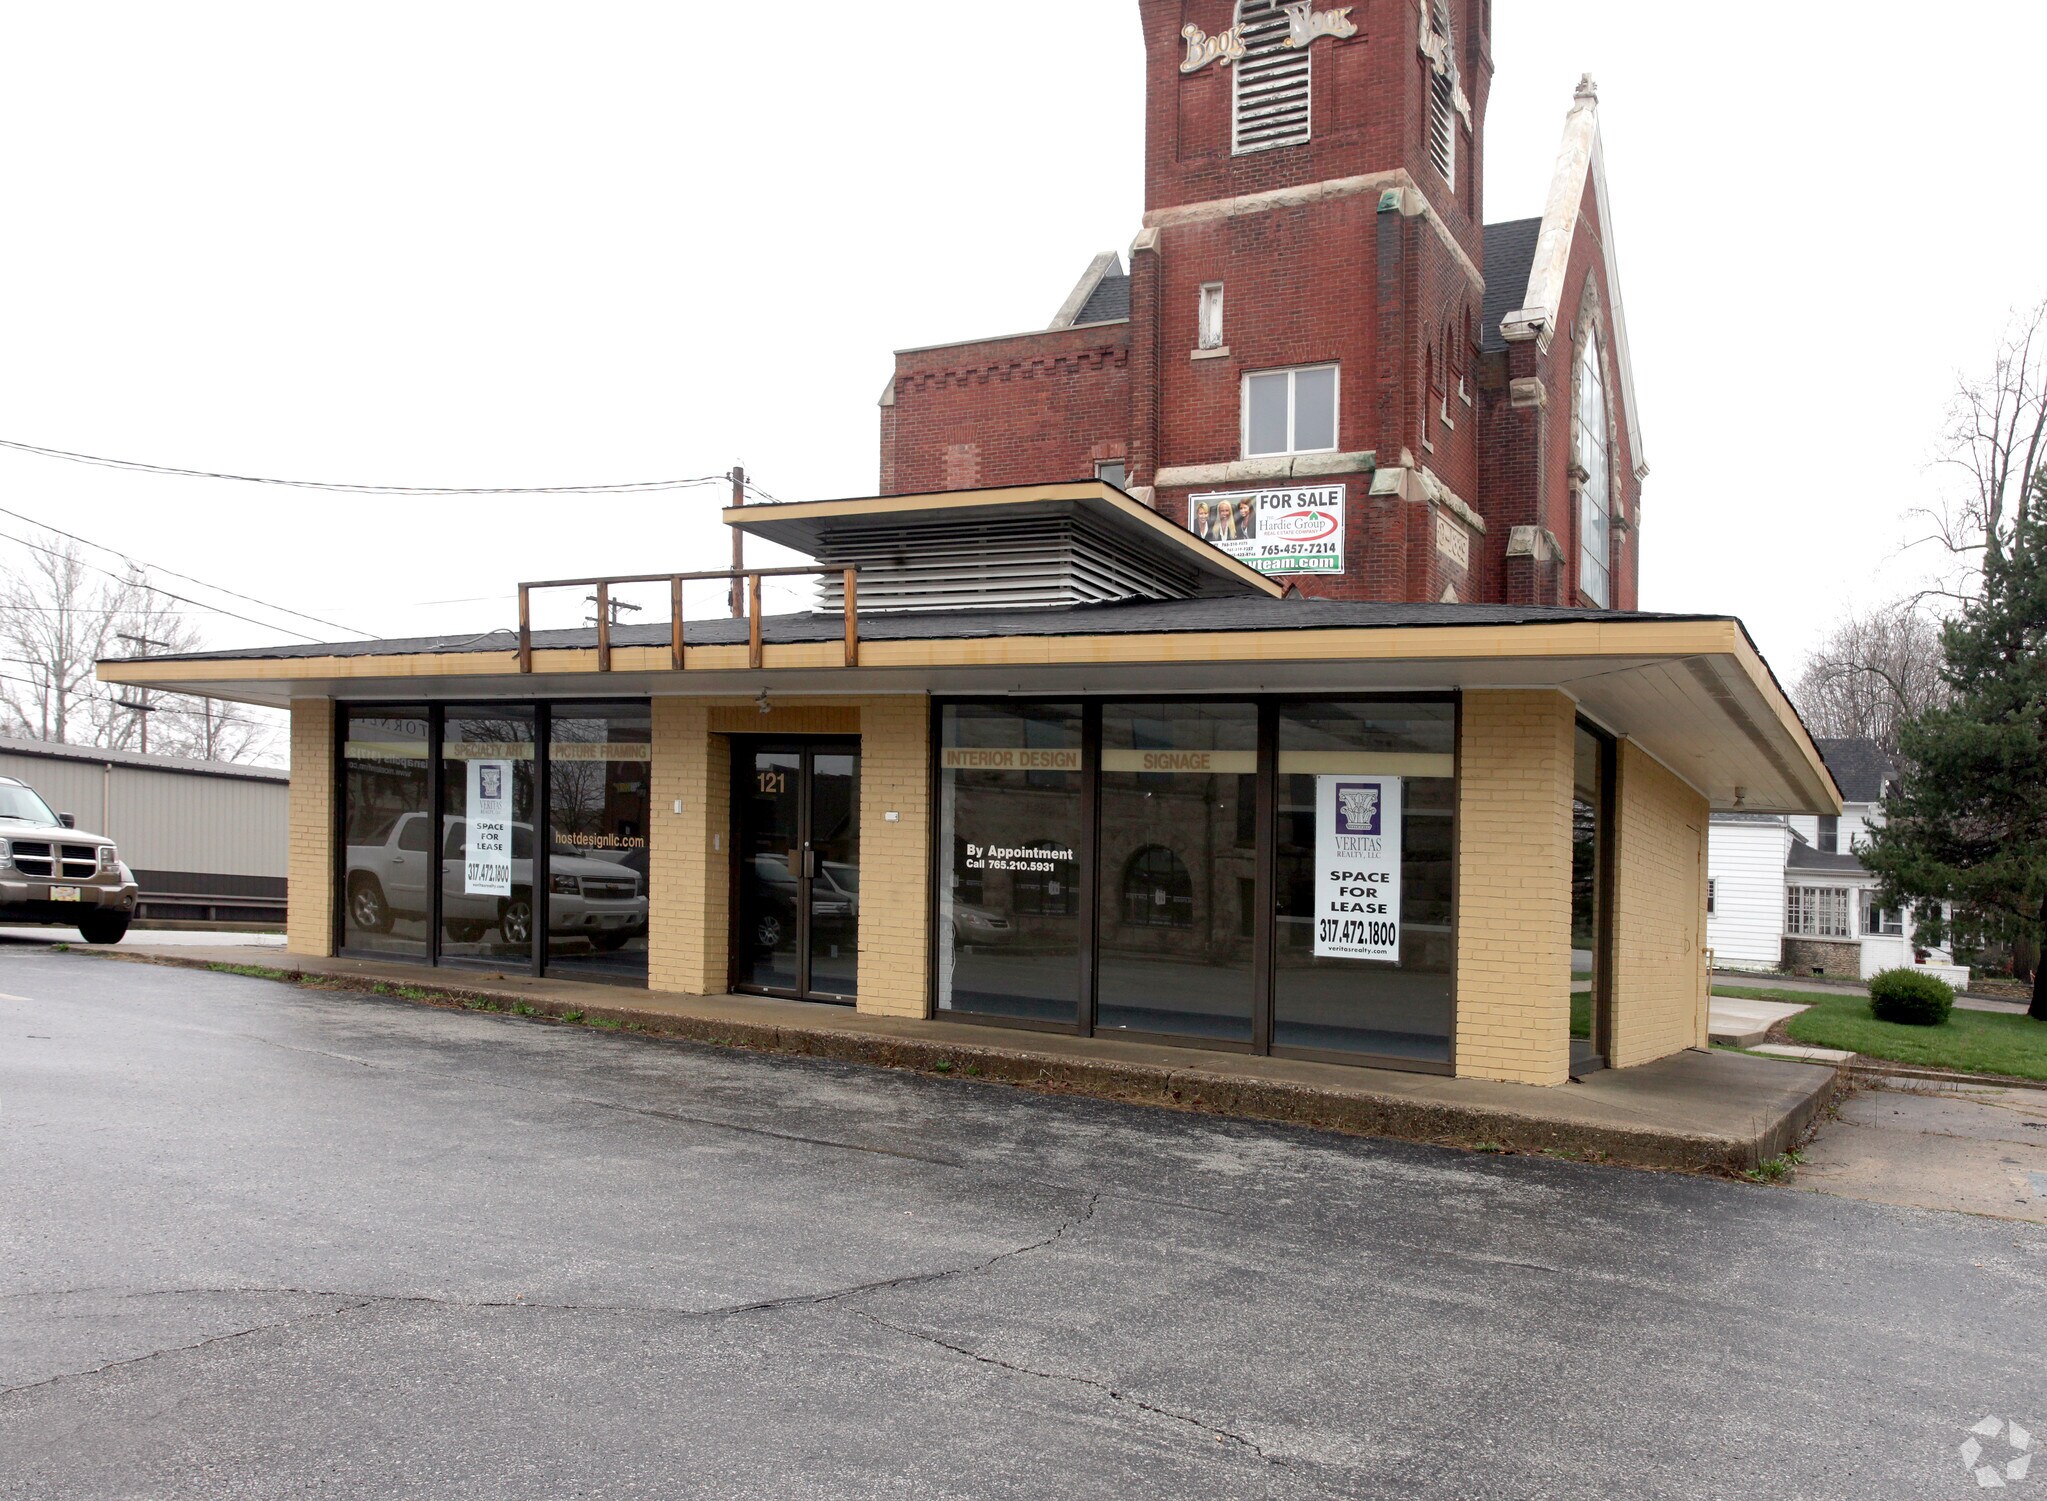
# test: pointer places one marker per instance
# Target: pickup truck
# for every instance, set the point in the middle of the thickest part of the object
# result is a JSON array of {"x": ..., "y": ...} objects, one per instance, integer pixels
[
  {"x": 52, "y": 874},
  {"x": 387, "y": 880}
]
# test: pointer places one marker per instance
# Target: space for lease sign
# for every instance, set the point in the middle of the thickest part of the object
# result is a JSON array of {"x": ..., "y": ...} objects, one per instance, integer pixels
[
  {"x": 487, "y": 868},
  {"x": 1357, "y": 868},
  {"x": 1295, "y": 530}
]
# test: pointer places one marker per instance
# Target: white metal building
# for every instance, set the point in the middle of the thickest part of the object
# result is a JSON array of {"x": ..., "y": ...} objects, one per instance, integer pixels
[{"x": 205, "y": 839}]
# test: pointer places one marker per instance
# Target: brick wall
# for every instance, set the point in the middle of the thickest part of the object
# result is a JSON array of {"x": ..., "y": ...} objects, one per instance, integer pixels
[
  {"x": 309, "y": 867},
  {"x": 1514, "y": 887},
  {"x": 1835, "y": 958},
  {"x": 690, "y": 940},
  {"x": 1368, "y": 103},
  {"x": 895, "y": 857},
  {"x": 1660, "y": 986},
  {"x": 1013, "y": 411}
]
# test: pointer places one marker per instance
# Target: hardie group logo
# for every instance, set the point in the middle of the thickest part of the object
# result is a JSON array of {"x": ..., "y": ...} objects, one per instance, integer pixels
[
  {"x": 1997, "y": 1454},
  {"x": 1358, "y": 806}
]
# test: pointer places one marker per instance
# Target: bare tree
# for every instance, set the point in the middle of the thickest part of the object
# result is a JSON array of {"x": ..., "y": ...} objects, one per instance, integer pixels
[
  {"x": 1875, "y": 672},
  {"x": 60, "y": 616},
  {"x": 1996, "y": 439}
]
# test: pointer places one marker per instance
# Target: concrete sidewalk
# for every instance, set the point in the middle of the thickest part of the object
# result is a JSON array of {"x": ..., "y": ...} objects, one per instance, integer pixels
[
  {"x": 1974, "y": 1148},
  {"x": 1740, "y": 1023},
  {"x": 1695, "y": 1110},
  {"x": 1747, "y": 980}
]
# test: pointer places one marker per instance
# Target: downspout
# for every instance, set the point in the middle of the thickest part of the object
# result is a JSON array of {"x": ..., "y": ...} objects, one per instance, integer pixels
[{"x": 106, "y": 797}]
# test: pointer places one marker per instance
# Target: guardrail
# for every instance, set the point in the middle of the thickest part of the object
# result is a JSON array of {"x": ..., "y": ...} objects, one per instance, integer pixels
[{"x": 678, "y": 651}]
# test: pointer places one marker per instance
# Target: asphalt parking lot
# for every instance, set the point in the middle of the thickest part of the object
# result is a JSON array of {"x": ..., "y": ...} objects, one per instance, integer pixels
[{"x": 259, "y": 1242}]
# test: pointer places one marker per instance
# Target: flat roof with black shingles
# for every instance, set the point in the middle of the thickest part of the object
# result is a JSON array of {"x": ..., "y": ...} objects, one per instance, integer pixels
[{"x": 1126, "y": 618}]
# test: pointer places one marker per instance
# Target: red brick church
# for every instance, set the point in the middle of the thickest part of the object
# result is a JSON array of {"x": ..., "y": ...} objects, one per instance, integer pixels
[{"x": 1320, "y": 355}]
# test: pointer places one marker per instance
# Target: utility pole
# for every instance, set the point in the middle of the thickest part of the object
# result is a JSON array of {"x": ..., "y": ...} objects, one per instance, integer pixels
[
  {"x": 143, "y": 709},
  {"x": 738, "y": 541},
  {"x": 615, "y": 606},
  {"x": 142, "y": 712}
]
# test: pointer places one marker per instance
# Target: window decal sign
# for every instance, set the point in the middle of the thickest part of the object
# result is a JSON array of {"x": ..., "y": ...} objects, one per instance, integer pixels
[
  {"x": 1275, "y": 531},
  {"x": 1357, "y": 868},
  {"x": 487, "y": 866},
  {"x": 1008, "y": 758}
]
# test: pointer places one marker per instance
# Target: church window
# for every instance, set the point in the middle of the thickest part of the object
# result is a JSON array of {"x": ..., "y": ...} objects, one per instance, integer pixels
[
  {"x": 1290, "y": 411},
  {"x": 1209, "y": 334},
  {"x": 1272, "y": 80},
  {"x": 1157, "y": 891},
  {"x": 1593, "y": 454}
]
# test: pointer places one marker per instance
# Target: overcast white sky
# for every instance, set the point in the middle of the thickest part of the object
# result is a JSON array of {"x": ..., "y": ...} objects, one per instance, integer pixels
[{"x": 441, "y": 243}]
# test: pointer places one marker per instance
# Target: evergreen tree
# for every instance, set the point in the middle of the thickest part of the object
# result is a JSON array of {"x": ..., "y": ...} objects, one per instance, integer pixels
[{"x": 1968, "y": 825}]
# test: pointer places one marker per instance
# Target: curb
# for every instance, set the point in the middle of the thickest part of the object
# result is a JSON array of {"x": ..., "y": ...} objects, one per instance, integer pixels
[
  {"x": 1199, "y": 1091},
  {"x": 1876, "y": 1071}
]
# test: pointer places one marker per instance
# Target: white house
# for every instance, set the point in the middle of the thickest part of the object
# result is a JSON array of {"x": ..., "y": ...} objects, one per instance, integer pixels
[{"x": 1790, "y": 894}]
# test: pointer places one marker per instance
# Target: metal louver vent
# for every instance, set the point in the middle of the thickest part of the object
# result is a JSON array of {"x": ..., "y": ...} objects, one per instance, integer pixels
[
  {"x": 1443, "y": 104},
  {"x": 1273, "y": 81},
  {"x": 993, "y": 565}
]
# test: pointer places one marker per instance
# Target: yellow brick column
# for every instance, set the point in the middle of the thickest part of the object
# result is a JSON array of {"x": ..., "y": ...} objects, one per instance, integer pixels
[
  {"x": 1659, "y": 989},
  {"x": 309, "y": 859},
  {"x": 1514, "y": 887},
  {"x": 895, "y": 856},
  {"x": 689, "y": 938}
]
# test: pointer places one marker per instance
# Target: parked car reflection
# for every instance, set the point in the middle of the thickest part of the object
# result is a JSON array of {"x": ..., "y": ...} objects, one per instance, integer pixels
[
  {"x": 600, "y": 900},
  {"x": 773, "y": 893}
]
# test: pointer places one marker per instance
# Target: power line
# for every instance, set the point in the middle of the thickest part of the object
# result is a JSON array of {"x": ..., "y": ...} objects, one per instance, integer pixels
[
  {"x": 89, "y": 698},
  {"x": 181, "y": 599},
  {"x": 138, "y": 563},
  {"x": 631, "y": 487}
]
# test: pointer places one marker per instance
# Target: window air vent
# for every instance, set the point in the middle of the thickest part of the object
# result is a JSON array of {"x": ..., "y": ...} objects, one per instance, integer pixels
[
  {"x": 1443, "y": 103},
  {"x": 1272, "y": 80}
]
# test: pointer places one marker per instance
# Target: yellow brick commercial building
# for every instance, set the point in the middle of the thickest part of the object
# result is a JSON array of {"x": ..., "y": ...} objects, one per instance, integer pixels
[{"x": 1090, "y": 776}]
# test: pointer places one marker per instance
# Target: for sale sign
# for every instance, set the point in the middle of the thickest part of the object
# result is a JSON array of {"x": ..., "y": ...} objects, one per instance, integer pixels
[
  {"x": 1357, "y": 868},
  {"x": 1275, "y": 531},
  {"x": 487, "y": 866}
]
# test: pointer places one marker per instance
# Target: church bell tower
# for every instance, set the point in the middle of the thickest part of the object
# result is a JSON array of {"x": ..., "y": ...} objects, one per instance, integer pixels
[{"x": 1307, "y": 286}]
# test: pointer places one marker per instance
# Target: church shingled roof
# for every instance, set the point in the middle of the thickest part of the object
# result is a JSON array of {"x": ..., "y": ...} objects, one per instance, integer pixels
[{"x": 1509, "y": 258}]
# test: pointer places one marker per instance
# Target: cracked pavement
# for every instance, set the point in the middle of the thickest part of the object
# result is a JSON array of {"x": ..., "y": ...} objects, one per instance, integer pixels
[{"x": 264, "y": 1242}]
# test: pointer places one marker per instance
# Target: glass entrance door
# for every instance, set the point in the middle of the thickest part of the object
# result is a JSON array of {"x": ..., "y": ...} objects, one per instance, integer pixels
[{"x": 796, "y": 930}]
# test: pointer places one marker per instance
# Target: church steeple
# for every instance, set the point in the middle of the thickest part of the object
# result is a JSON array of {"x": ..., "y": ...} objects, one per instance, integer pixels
[{"x": 1250, "y": 96}]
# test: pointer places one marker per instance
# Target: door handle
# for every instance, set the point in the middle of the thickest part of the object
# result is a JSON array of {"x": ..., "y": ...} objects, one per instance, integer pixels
[{"x": 810, "y": 862}]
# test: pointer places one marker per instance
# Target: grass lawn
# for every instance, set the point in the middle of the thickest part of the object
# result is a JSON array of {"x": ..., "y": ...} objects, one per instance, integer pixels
[
  {"x": 1581, "y": 1012},
  {"x": 1976, "y": 1042}
]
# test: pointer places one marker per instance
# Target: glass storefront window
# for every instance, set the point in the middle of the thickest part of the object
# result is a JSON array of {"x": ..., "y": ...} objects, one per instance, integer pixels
[
  {"x": 487, "y": 856},
  {"x": 1365, "y": 947},
  {"x": 1173, "y": 945},
  {"x": 387, "y": 831},
  {"x": 1009, "y": 836},
  {"x": 599, "y": 778},
  {"x": 1588, "y": 892}
]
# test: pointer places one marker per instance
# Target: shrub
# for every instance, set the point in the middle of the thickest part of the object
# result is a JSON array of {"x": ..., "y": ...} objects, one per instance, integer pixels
[{"x": 1910, "y": 998}]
